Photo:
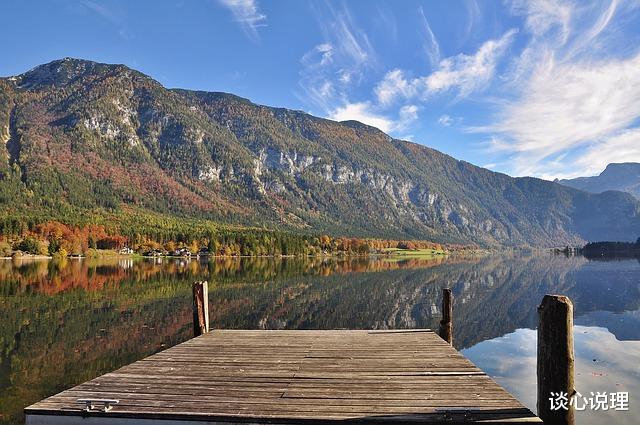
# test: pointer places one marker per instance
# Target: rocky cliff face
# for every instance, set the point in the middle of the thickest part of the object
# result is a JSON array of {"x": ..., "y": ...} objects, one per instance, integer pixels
[{"x": 87, "y": 135}]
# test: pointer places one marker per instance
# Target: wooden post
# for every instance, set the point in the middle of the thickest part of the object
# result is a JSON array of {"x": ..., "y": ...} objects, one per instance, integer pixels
[
  {"x": 555, "y": 358},
  {"x": 446, "y": 325},
  {"x": 200, "y": 308}
]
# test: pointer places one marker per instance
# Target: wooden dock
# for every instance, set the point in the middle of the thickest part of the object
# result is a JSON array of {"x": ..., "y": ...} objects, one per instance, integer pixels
[{"x": 287, "y": 377}]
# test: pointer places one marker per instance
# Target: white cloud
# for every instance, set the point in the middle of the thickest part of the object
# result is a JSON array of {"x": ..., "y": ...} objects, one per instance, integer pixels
[
  {"x": 350, "y": 43},
  {"x": 519, "y": 70},
  {"x": 247, "y": 13},
  {"x": 565, "y": 106},
  {"x": 365, "y": 113},
  {"x": 334, "y": 68},
  {"x": 622, "y": 147},
  {"x": 466, "y": 73},
  {"x": 394, "y": 85},
  {"x": 337, "y": 63},
  {"x": 469, "y": 73},
  {"x": 543, "y": 16},
  {"x": 566, "y": 102},
  {"x": 587, "y": 37},
  {"x": 320, "y": 56},
  {"x": 344, "y": 76},
  {"x": 445, "y": 120},
  {"x": 361, "y": 111},
  {"x": 328, "y": 78},
  {"x": 326, "y": 89},
  {"x": 431, "y": 46},
  {"x": 406, "y": 116},
  {"x": 327, "y": 52},
  {"x": 570, "y": 101}
]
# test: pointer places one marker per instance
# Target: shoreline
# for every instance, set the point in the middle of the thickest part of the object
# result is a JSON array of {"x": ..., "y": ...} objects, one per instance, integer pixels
[{"x": 407, "y": 255}]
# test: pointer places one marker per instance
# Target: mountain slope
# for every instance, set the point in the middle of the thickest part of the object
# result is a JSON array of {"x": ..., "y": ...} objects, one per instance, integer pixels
[
  {"x": 79, "y": 135},
  {"x": 624, "y": 177}
]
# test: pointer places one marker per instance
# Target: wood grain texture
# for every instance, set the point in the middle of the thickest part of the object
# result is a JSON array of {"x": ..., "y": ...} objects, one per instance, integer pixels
[
  {"x": 300, "y": 377},
  {"x": 200, "y": 308},
  {"x": 555, "y": 360},
  {"x": 446, "y": 324}
]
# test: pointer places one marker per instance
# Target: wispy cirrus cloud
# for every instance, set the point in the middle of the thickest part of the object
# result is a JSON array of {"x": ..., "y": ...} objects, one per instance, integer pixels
[
  {"x": 350, "y": 42},
  {"x": 469, "y": 73},
  {"x": 463, "y": 73},
  {"x": 431, "y": 46},
  {"x": 320, "y": 56},
  {"x": 543, "y": 16},
  {"x": 565, "y": 105},
  {"x": 331, "y": 68},
  {"x": 247, "y": 14},
  {"x": 577, "y": 108}
]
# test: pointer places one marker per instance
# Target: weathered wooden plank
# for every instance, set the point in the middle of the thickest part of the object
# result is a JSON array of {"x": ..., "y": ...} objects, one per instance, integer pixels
[
  {"x": 342, "y": 404},
  {"x": 294, "y": 376},
  {"x": 502, "y": 417}
]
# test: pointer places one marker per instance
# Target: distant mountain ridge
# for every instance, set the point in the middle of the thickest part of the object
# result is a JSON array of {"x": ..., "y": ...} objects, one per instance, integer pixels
[
  {"x": 624, "y": 177},
  {"x": 83, "y": 136}
]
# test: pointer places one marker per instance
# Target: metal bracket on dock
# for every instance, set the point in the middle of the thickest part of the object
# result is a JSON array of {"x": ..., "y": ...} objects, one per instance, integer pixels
[{"x": 98, "y": 404}]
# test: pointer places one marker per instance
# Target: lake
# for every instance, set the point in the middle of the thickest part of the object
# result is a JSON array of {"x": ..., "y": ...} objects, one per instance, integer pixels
[{"x": 62, "y": 323}]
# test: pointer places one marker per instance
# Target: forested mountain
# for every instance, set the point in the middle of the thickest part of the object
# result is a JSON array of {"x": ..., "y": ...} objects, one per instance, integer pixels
[
  {"x": 81, "y": 136},
  {"x": 624, "y": 177}
]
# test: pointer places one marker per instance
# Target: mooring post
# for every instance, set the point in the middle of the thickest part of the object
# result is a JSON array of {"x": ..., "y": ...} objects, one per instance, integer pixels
[
  {"x": 200, "y": 308},
  {"x": 555, "y": 360},
  {"x": 446, "y": 325}
]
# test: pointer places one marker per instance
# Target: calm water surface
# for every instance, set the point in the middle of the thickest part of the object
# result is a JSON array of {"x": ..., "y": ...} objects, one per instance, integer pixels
[{"x": 65, "y": 323}]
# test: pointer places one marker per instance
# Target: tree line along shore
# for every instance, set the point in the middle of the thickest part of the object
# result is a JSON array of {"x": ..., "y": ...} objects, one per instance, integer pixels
[{"x": 57, "y": 239}]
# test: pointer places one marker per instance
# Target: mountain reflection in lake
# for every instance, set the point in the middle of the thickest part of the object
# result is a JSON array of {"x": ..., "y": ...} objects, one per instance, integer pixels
[{"x": 65, "y": 323}]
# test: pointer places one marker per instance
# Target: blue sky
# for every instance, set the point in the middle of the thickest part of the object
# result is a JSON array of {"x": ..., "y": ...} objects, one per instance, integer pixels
[{"x": 546, "y": 88}]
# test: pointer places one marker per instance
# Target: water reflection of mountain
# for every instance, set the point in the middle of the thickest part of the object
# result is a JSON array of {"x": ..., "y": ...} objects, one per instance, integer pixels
[
  {"x": 494, "y": 296},
  {"x": 498, "y": 295},
  {"x": 61, "y": 324}
]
